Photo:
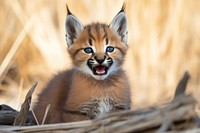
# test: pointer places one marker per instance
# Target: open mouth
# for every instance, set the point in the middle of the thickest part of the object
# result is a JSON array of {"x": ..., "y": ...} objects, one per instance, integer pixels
[{"x": 100, "y": 70}]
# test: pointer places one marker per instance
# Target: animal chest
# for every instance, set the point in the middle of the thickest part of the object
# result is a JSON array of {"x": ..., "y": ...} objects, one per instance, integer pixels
[{"x": 97, "y": 107}]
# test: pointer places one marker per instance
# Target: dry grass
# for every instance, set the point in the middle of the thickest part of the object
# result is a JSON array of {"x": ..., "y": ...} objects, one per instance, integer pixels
[{"x": 164, "y": 40}]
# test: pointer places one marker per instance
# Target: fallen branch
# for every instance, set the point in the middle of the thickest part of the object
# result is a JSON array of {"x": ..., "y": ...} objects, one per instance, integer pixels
[
  {"x": 177, "y": 115},
  {"x": 22, "y": 115},
  {"x": 179, "y": 112}
]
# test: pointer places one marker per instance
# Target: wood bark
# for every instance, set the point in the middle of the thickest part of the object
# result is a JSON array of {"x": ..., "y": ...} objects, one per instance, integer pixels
[{"x": 177, "y": 115}]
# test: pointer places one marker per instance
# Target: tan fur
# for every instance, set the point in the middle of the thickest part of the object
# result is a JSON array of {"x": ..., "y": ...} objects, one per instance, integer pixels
[
  {"x": 69, "y": 90},
  {"x": 75, "y": 95}
]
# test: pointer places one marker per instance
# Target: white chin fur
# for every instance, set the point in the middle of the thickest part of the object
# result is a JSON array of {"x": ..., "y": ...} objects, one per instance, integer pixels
[{"x": 85, "y": 69}]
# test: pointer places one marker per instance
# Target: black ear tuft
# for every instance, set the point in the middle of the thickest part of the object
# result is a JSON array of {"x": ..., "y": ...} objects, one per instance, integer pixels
[
  {"x": 120, "y": 26},
  {"x": 68, "y": 11},
  {"x": 123, "y": 8}
]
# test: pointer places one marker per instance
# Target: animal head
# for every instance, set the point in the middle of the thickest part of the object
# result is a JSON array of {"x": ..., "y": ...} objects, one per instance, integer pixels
[{"x": 97, "y": 49}]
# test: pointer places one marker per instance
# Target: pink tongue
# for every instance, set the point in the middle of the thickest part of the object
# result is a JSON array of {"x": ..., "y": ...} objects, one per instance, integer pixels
[{"x": 100, "y": 69}]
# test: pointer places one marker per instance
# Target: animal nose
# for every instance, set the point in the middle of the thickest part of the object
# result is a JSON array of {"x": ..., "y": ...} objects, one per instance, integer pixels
[{"x": 100, "y": 60}]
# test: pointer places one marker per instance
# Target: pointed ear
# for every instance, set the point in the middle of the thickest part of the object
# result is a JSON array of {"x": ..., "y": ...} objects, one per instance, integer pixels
[
  {"x": 120, "y": 26},
  {"x": 73, "y": 27}
]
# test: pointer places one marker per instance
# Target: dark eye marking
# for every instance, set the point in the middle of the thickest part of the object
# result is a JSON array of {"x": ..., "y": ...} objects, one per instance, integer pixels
[
  {"x": 90, "y": 42},
  {"x": 88, "y": 50},
  {"x": 106, "y": 41},
  {"x": 110, "y": 49}
]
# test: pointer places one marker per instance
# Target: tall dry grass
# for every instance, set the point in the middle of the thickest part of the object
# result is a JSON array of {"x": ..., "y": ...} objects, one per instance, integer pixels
[{"x": 164, "y": 41}]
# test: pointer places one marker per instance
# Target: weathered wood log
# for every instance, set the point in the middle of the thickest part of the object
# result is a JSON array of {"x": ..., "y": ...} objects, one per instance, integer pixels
[{"x": 179, "y": 114}]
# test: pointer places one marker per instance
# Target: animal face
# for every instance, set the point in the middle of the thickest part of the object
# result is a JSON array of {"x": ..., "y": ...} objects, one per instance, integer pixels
[{"x": 97, "y": 50}]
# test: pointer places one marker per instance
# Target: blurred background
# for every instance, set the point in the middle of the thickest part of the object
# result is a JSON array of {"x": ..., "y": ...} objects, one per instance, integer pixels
[{"x": 164, "y": 42}]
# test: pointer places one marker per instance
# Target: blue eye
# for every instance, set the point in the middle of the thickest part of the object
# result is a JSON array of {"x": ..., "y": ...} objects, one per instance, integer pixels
[
  {"x": 88, "y": 50},
  {"x": 109, "y": 49}
]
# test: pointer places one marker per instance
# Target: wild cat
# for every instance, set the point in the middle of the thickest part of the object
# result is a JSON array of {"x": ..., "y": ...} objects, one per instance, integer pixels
[{"x": 96, "y": 84}]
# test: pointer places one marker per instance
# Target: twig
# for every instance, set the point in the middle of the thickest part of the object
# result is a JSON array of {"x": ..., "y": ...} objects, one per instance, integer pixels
[
  {"x": 181, "y": 87},
  {"x": 34, "y": 116},
  {"x": 46, "y": 112},
  {"x": 21, "y": 117}
]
